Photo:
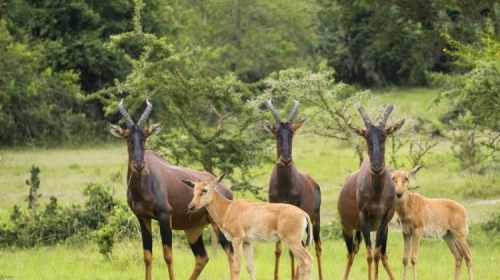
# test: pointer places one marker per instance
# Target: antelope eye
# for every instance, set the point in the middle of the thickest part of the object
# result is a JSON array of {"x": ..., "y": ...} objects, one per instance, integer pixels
[{"x": 204, "y": 191}]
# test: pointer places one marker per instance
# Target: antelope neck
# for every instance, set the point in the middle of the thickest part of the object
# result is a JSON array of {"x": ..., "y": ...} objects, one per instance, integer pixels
[{"x": 218, "y": 207}]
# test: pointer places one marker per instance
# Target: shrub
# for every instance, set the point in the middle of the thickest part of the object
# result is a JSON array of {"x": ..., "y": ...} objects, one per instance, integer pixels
[
  {"x": 492, "y": 225},
  {"x": 474, "y": 114},
  {"x": 57, "y": 223}
]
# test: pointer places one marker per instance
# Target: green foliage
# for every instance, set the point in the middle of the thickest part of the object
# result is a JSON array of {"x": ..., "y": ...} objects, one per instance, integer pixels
[
  {"x": 121, "y": 223},
  {"x": 34, "y": 185},
  {"x": 492, "y": 225},
  {"x": 374, "y": 42},
  {"x": 207, "y": 119},
  {"x": 475, "y": 112},
  {"x": 330, "y": 112},
  {"x": 250, "y": 38},
  {"x": 37, "y": 105},
  {"x": 57, "y": 223},
  {"x": 70, "y": 35}
]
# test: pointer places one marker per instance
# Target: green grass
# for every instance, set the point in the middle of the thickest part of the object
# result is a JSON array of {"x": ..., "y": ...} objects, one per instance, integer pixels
[
  {"x": 66, "y": 262},
  {"x": 66, "y": 172}
]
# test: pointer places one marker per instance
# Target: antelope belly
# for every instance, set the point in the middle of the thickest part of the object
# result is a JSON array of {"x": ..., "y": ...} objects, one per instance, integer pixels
[
  {"x": 254, "y": 235},
  {"x": 433, "y": 231}
]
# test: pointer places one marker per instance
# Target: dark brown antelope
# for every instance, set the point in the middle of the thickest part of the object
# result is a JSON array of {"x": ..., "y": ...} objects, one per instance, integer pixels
[
  {"x": 368, "y": 199},
  {"x": 288, "y": 185},
  {"x": 421, "y": 216},
  {"x": 244, "y": 221},
  {"x": 155, "y": 191}
]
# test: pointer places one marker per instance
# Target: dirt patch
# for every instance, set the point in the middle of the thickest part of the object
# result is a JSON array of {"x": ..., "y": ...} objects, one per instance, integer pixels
[{"x": 487, "y": 201}]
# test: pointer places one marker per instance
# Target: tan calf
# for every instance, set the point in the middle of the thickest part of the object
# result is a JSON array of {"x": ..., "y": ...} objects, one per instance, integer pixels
[
  {"x": 244, "y": 221},
  {"x": 421, "y": 216}
]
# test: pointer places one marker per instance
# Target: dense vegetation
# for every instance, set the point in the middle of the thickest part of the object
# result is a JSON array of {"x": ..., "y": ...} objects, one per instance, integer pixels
[
  {"x": 208, "y": 66},
  {"x": 63, "y": 63}
]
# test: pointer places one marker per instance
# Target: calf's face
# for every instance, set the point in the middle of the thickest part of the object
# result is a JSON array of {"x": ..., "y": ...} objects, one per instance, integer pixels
[
  {"x": 401, "y": 179},
  {"x": 203, "y": 193}
]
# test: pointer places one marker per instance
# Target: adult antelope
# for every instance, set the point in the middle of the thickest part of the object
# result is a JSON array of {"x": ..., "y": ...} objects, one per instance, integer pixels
[
  {"x": 288, "y": 185},
  {"x": 421, "y": 216},
  {"x": 368, "y": 199},
  {"x": 243, "y": 221},
  {"x": 155, "y": 191}
]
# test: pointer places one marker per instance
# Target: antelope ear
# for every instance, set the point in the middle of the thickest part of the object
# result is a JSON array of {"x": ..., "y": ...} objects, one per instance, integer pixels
[
  {"x": 116, "y": 130},
  {"x": 297, "y": 125},
  {"x": 414, "y": 171},
  {"x": 268, "y": 126},
  {"x": 154, "y": 128},
  {"x": 219, "y": 179},
  {"x": 359, "y": 131},
  {"x": 395, "y": 127},
  {"x": 189, "y": 183}
]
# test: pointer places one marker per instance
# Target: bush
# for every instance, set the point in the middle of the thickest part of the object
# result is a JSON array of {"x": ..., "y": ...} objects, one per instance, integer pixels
[
  {"x": 57, "y": 223},
  {"x": 474, "y": 114},
  {"x": 492, "y": 225}
]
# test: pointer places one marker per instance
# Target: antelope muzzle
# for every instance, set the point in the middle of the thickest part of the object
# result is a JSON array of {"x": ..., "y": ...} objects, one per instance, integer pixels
[
  {"x": 285, "y": 160},
  {"x": 138, "y": 165}
]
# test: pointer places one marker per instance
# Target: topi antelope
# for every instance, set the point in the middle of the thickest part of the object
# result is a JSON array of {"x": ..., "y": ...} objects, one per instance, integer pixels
[
  {"x": 243, "y": 221},
  {"x": 421, "y": 216},
  {"x": 288, "y": 185},
  {"x": 368, "y": 199},
  {"x": 155, "y": 191}
]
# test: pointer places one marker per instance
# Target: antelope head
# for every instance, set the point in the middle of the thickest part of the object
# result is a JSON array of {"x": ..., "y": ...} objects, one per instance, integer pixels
[
  {"x": 401, "y": 179},
  {"x": 135, "y": 134},
  {"x": 284, "y": 131},
  {"x": 203, "y": 193},
  {"x": 375, "y": 136}
]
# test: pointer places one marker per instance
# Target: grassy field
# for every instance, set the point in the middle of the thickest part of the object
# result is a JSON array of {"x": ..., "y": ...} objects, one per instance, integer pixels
[
  {"x": 64, "y": 262},
  {"x": 66, "y": 172}
]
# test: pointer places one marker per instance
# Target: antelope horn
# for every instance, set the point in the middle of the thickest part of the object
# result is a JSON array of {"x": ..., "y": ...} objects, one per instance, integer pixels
[
  {"x": 295, "y": 110},
  {"x": 363, "y": 113},
  {"x": 273, "y": 111},
  {"x": 146, "y": 113},
  {"x": 126, "y": 117},
  {"x": 387, "y": 112}
]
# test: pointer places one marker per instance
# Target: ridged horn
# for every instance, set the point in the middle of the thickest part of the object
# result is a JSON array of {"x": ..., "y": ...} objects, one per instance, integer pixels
[
  {"x": 146, "y": 113},
  {"x": 293, "y": 113},
  {"x": 385, "y": 116},
  {"x": 273, "y": 111},
  {"x": 126, "y": 117},
  {"x": 363, "y": 113}
]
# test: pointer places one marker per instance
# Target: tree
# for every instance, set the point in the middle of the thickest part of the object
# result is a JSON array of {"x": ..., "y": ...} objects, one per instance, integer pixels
[
  {"x": 207, "y": 121},
  {"x": 37, "y": 105},
  {"x": 329, "y": 108},
  {"x": 385, "y": 42},
  {"x": 252, "y": 38},
  {"x": 476, "y": 101}
]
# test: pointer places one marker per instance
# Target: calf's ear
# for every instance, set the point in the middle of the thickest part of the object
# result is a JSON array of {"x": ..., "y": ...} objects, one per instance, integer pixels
[
  {"x": 189, "y": 183},
  {"x": 414, "y": 171}
]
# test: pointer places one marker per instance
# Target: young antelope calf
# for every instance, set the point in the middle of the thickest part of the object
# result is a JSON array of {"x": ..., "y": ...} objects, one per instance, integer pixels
[
  {"x": 244, "y": 221},
  {"x": 419, "y": 215}
]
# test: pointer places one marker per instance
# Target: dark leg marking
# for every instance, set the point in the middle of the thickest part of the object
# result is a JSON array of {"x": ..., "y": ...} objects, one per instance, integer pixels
[{"x": 198, "y": 248}]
